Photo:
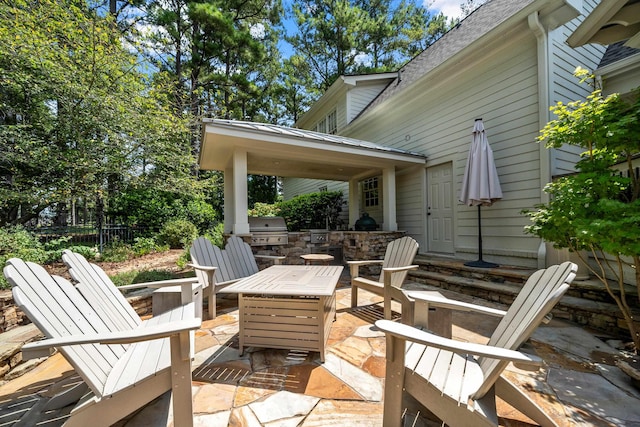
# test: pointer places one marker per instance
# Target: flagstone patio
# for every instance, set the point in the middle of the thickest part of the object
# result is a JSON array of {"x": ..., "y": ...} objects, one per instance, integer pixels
[{"x": 580, "y": 386}]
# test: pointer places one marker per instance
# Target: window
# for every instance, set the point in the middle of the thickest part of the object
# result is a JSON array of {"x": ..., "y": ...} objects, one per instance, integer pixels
[
  {"x": 370, "y": 192},
  {"x": 332, "y": 122},
  {"x": 322, "y": 126},
  {"x": 329, "y": 124},
  {"x": 323, "y": 188}
]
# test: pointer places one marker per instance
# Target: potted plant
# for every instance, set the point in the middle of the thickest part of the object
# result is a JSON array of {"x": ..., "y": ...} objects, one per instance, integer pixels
[{"x": 596, "y": 211}]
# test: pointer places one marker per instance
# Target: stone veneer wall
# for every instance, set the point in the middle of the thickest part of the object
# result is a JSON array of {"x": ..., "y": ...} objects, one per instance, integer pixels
[{"x": 343, "y": 245}]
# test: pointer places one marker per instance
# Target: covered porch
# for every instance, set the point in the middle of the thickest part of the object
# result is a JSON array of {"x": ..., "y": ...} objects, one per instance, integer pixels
[{"x": 241, "y": 148}]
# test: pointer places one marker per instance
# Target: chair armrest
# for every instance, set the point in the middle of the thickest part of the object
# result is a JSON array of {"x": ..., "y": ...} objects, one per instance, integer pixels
[
  {"x": 167, "y": 324},
  {"x": 443, "y": 302},
  {"x": 161, "y": 283},
  {"x": 365, "y": 262},
  {"x": 409, "y": 333},
  {"x": 391, "y": 270},
  {"x": 354, "y": 266},
  {"x": 206, "y": 268}
]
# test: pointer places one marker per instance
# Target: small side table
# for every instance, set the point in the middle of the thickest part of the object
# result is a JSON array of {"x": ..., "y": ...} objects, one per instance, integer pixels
[{"x": 320, "y": 258}]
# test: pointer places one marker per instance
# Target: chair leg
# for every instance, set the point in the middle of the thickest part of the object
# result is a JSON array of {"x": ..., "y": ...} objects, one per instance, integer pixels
[
  {"x": 387, "y": 307},
  {"x": 354, "y": 296},
  {"x": 211, "y": 297},
  {"x": 394, "y": 383},
  {"x": 181, "y": 395},
  {"x": 515, "y": 397}
]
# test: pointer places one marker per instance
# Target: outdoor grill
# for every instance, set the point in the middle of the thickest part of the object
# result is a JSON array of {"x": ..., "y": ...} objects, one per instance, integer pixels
[
  {"x": 318, "y": 236},
  {"x": 268, "y": 230}
]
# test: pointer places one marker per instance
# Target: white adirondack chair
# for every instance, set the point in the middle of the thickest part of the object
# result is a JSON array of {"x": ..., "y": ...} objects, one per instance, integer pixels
[
  {"x": 218, "y": 268},
  {"x": 458, "y": 381},
  {"x": 125, "y": 368},
  {"x": 243, "y": 261},
  {"x": 96, "y": 286},
  {"x": 395, "y": 266}
]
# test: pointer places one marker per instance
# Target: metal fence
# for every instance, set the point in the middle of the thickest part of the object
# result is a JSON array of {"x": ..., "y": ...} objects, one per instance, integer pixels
[{"x": 90, "y": 235}]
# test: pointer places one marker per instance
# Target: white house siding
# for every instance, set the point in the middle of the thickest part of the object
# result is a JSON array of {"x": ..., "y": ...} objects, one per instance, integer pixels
[
  {"x": 341, "y": 112},
  {"x": 564, "y": 86},
  {"x": 409, "y": 190},
  {"x": 622, "y": 83},
  {"x": 436, "y": 119},
  {"x": 359, "y": 97}
]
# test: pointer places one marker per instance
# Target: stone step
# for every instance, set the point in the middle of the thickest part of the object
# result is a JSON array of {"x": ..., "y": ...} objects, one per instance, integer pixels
[
  {"x": 590, "y": 288},
  {"x": 491, "y": 286},
  {"x": 11, "y": 363}
]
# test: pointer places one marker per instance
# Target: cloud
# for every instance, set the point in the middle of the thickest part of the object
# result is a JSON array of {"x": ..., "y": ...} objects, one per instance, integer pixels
[{"x": 450, "y": 8}]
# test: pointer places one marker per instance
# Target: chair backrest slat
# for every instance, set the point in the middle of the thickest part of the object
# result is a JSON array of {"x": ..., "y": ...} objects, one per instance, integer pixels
[
  {"x": 205, "y": 253},
  {"x": 58, "y": 309},
  {"x": 101, "y": 293},
  {"x": 538, "y": 296},
  {"x": 399, "y": 253},
  {"x": 241, "y": 256}
]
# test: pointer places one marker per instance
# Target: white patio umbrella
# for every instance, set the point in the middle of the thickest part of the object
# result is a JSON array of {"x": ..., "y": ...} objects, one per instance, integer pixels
[{"x": 480, "y": 185}]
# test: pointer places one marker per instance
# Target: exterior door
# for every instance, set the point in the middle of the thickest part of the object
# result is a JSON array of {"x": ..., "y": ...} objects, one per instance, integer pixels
[{"x": 440, "y": 199}]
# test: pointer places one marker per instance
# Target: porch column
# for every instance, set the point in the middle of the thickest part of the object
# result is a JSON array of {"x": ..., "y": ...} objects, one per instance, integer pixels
[
  {"x": 229, "y": 201},
  {"x": 354, "y": 203},
  {"x": 389, "y": 199},
  {"x": 240, "y": 215}
]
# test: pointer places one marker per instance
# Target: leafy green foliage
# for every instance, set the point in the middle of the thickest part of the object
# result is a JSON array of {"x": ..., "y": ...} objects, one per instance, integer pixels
[
  {"x": 216, "y": 235},
  {"x": 152, "y": 207},
  {"x": 312, "y": 210},
  {"x": 597, "y": 209},
  {"x": 265, "y": 209},
  {"x": 178, "y": 233},
  {"x": 20, "y": 243},
  {"x": 132, "y": 277},
  {"x": 116, "y": 252},
  {"x": 147, "y": 245},
  {"x": 78, "y": 117},
  {"x": 349, "y": 37}
]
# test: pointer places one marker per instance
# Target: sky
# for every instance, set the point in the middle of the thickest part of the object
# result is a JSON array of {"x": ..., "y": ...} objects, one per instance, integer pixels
[{"x": 450, "y": 8}]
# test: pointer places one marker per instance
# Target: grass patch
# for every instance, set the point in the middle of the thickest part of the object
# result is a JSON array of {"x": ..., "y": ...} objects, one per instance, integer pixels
[{"x": 132, "y": 277}]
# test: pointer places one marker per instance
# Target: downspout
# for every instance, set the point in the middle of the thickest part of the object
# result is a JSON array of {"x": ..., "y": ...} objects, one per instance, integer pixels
[{"x": 544, "y": 99}]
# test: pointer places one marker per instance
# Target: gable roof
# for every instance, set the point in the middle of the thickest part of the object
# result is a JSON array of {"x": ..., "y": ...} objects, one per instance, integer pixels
[{"x": 338, "y": 88}]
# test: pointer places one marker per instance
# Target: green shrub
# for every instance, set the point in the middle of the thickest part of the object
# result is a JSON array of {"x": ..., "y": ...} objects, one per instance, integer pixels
[
  {"x": 131, "y": 277},
  {"x": 89, "y": 252},
  {"x": 147, "y": 245},
  {"x": 184, "y": 259},
  {"x": 20, "y": 243},
  {"x": 264, "y": 209},
  {"x": 55, "y": 247},
  {"x": 116, "y": 252},
  {"x": 152, "y": 208},
  {"x": 201, "y": 214},
  {"x": 313, "y": 210},
  {"x": 216, "y": 235},
  {"x": 178, "y": 233}
]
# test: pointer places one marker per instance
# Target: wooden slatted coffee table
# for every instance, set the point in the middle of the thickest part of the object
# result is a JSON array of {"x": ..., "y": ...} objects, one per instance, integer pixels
[{"x": 287, "y": 306}]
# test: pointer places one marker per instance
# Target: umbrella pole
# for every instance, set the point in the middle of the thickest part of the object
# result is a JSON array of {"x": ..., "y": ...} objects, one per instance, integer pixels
[{"x": 480, "y": 262}]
